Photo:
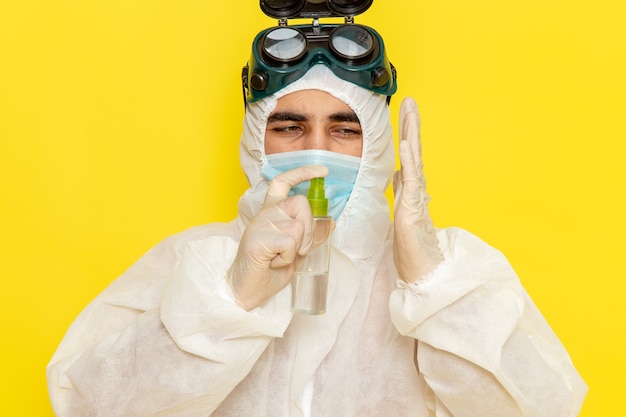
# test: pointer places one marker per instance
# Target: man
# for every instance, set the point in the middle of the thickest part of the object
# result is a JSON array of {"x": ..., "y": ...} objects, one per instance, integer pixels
[{"x": 419, "y": 321}]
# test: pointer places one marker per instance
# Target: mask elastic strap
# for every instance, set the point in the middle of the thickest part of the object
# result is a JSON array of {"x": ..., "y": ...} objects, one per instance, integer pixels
[
  {"x": 244, "y": 81},
  {"x": 394, "y": 76}
]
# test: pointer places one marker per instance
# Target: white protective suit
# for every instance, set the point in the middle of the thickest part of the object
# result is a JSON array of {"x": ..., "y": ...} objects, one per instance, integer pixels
[{"x": 167, "y": 339}]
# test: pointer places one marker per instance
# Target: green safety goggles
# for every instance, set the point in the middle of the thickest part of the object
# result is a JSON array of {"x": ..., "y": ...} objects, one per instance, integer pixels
[{"x": 283, "y": 54}]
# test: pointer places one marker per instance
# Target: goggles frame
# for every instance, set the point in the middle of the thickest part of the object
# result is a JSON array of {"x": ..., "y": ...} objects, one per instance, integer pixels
[
  {"x": 289, "y": 9},
  {"x": 265, "y": 75}
]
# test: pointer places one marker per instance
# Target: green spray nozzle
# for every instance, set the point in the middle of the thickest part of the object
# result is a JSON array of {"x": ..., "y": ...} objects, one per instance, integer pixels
[{"x": 317, "y": 198}]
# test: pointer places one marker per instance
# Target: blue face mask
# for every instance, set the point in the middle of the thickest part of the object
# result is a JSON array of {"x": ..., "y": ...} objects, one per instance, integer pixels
[{"x": 338, "y": 184}]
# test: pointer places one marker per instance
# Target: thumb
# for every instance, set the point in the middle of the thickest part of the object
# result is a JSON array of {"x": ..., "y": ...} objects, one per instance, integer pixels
[{"x": 281, "y": 184}]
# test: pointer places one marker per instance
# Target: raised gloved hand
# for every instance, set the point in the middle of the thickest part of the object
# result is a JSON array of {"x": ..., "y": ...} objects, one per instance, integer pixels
[
  {"x": 274, "y": 242},
  {"x": 415, "y": 247}
]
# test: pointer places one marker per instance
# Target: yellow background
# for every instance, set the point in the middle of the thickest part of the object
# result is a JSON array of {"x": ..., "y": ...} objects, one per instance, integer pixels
[{"x": 120, "y": 120}]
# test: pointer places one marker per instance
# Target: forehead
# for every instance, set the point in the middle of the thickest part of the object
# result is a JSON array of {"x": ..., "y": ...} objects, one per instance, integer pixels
[{"x": 311, "y": 102}]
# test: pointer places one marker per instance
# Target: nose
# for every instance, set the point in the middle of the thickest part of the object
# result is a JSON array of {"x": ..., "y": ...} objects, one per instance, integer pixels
[{"x": 318, "y": 138}]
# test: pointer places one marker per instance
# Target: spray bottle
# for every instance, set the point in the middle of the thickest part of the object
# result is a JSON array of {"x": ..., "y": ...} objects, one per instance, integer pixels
[{"x": 310, "y": 283}]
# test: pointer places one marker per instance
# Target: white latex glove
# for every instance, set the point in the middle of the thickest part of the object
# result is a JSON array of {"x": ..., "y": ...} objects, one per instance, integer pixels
[
  {"x": 274, "y": 242},
  {"x": 415, "y": 247}
]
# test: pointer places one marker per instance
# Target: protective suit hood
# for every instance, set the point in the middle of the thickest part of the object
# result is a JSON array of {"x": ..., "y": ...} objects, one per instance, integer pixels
[{"x": 364, "y": 223}]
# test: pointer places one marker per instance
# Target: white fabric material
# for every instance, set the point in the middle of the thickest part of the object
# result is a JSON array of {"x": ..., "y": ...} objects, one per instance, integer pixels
[{"x": 166, "y": 338}]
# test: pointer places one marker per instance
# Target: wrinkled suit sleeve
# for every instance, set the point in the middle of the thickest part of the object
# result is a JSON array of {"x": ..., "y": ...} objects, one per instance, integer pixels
[
  {"x": 483, "y": 347},
  {"x": 165, "y": 339}
]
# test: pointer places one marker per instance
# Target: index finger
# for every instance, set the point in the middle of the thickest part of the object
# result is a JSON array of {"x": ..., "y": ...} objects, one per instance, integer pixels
[
  {"x": 409, "y": 113},
  {"x": 410, "y": 131},
  {"x": 281, "y": 184}
]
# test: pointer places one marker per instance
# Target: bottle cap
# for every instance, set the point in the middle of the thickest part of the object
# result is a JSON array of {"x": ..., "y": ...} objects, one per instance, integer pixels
[{"x": 317, "y": 198}]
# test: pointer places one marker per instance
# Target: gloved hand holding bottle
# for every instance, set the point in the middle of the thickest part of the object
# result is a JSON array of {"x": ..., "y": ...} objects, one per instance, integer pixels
[
  {"x": 415, "y": 246},
  {"x": 309, "y": 288},
  {"x": 275, "y": 241}
]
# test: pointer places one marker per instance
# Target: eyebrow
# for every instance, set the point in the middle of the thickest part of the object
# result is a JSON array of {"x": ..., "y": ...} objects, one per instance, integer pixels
[
  {"x": 348, "y": 116},
  {"x": 287, "y": 116}
]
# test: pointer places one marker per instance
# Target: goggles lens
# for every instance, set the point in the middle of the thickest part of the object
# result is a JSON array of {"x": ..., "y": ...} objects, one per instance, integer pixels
[
  {"x": 352, "y": 42},
  {"x": 283, "y": 54},
  {"x": 284, "y": 44}
]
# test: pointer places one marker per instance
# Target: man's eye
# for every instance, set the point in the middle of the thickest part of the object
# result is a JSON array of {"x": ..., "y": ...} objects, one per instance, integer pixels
[
  {"x": 347, "y": 132},
  {"x": 285, "y": 129}
]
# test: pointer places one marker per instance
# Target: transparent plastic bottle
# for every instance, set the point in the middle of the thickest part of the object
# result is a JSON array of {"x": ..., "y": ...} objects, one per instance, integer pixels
[{"x": 310, "y": 283}]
